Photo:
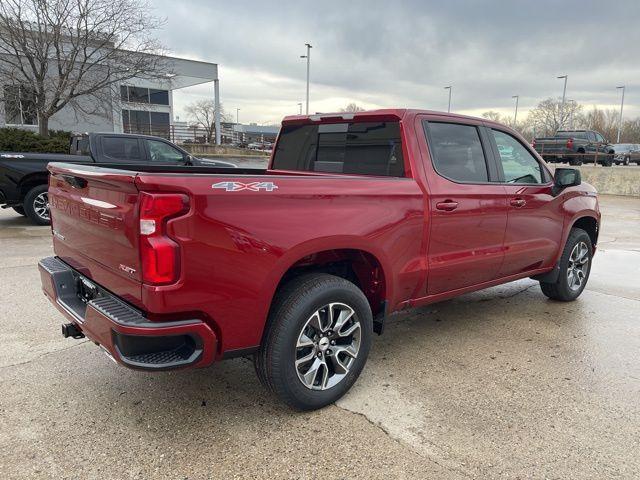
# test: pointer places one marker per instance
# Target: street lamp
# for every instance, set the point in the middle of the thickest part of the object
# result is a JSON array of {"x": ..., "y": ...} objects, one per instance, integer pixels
[
  {"x": 300, "y": 105},
  {"x": 622, "y": 87},
  {"x": 237, "y": 115},
  {"x": 515, "y": 115},
  {"x": 308, "y": 57},
  {"x": 564, "y": 94},
  {"x": 449, "y": 107}
]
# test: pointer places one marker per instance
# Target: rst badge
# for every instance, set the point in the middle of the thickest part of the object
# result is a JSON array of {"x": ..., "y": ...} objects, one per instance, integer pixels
[{"x": 240, "y": 186}]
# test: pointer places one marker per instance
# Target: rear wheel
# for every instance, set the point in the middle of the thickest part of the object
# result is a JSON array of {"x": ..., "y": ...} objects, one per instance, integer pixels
[
  {"x": 626, "y": 161},
  {"x": 317, "y": 341},
  {"x": 575, "y": 266},
  {"x": 36, "y": 205}
]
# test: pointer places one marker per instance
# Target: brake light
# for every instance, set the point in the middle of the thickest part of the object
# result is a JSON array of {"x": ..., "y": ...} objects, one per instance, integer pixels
[
  {"x": 159, "y": 254},
  {"x": 570, "y": 143}
]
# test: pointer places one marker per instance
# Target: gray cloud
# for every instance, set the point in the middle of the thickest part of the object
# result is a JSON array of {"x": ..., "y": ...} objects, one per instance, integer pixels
[{"x": 403, "y": 53}]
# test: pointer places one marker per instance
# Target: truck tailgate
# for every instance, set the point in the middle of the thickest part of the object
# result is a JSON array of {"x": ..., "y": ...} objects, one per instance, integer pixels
[{"x": 94, "y": 216}]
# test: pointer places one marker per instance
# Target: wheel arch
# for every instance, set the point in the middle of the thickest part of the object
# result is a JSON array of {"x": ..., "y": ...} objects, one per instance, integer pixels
[
  {"x": 589, "y": 224},
  {"x": 30, "y": 181},
  {"x": 345, "y": 257}
]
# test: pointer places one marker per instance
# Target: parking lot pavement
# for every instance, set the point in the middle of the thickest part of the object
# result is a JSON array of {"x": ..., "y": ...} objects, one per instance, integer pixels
[{"x": 501, "y": 383}]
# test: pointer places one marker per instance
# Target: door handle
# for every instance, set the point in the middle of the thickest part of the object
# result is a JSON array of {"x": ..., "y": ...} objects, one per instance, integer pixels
[
  {"x": 518, "y": 202},
  {"x": 447, "y": 205}
]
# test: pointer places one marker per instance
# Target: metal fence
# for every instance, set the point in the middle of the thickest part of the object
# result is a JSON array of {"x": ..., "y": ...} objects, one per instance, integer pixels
[
  {"x": 575, "y": 158},
  {"x": 196, "y": 134}
]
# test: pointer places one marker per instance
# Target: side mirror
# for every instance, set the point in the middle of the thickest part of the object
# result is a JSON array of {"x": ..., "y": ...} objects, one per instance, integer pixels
[{"x": 566, "y": 177}]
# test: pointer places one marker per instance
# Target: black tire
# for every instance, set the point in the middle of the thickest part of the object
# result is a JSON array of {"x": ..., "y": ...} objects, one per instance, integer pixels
[
  {"x": 20, "y": 211},
  {"x": 561, "y": 290},
  {"x": 626, "y": 161},
  {"x": 32, "y": 204},
  {"x": 294, "y": 305},
  {"x": 607, "y": 162}
]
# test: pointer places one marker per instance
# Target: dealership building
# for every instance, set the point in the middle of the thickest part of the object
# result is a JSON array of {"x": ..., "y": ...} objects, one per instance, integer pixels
[{"x": 138, "y": 106}]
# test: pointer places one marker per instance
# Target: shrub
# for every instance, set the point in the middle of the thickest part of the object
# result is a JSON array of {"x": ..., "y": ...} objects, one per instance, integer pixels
[{"x": 18, "y": 140}]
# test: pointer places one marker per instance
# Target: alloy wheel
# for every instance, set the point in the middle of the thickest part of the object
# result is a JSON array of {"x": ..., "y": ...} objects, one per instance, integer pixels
[
  {"x": 328, "y": 346},
  {"x": 41, "y": 205},
  {"x": 578, "y": 266}
]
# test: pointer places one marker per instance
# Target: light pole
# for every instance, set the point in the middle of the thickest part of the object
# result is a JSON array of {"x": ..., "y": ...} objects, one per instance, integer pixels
[
  {"x": 515, "y": 115},
  {"x": 300, "y": 105},
  {"x": 308, "y": 57},
  {"x": 621, "y": 107},
  {"x": 564, "y": 94},
  {"x": 237, "y": 116},
  {"x": 449, "y": 107}
]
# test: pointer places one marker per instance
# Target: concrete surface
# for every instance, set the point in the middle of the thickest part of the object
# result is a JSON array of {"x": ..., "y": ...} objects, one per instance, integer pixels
[
  {"x": 501, "y": 383},
  {"x": 616, "y": 180}
]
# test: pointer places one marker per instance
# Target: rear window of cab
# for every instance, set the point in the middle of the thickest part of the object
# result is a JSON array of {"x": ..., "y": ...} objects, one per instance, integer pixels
[{"x": 358, "y": 148}]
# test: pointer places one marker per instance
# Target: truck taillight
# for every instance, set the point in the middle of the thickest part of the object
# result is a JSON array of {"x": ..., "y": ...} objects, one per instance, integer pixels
[
  {"x": 159, "y": 254},
  {"x": 570, "y": 143}
]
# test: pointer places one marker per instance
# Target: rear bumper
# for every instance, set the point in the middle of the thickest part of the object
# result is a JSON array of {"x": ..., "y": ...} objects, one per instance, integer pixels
[{"x": 127, "y": 336}]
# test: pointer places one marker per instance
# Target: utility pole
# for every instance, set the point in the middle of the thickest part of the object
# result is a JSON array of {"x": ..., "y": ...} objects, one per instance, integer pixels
[
  {"x": 564, "y": 94},
  {"x": 300, "y": 106},
  {"x": 308, "y": 57},
  {"x": 237, "y": 116},
  {"x": 621, "y": 107},
  {"x": 515, "y": 115},
  {"x": 449, "y": 107},
  {"x": 216, "y": 114}
]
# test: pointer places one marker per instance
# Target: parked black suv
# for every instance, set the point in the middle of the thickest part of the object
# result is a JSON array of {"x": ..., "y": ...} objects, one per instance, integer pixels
[{"x": 626, "y": 153}]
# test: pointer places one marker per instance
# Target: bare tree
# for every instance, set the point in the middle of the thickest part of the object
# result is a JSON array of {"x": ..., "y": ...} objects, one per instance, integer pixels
[
  {"x": 76, "y": 53},
  {"x": 603, "y": 121},
  {"x": 352, "y": 108},
  {"x": 549, "y": 116},
  {"x": 495, "y": 116},
  {"x": 203, "y": 114}
]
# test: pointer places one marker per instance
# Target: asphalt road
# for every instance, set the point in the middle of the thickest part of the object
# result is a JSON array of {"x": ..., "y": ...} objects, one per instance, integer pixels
[{"x": 501, "y": 383}]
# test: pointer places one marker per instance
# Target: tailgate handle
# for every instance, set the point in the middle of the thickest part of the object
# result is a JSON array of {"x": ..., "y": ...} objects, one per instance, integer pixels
[{"x": 75, "y": 182}]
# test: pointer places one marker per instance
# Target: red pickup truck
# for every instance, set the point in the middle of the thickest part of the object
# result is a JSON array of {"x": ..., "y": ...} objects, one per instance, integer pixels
[{"x": 356, "y": 217}]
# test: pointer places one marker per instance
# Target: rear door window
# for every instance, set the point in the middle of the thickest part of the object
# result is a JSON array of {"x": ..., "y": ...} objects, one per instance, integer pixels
[
  {"x": 365, "y": 148},
  {"x": 456, "y": 152},
  {"x": 121, "y": 149}
]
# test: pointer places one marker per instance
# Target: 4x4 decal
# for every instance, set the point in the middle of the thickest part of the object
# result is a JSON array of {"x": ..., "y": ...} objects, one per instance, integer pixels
[{"x": 239, "y": 186}]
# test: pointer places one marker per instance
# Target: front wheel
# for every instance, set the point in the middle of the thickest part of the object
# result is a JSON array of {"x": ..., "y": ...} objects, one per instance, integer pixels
[
  {"x": 575, "y": 266},
  {"x": 36, "y": 205},
  {"x": 317, "y": 341}
]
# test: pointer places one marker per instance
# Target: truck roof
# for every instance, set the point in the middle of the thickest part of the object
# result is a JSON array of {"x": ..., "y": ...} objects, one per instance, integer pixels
[{"x": 373, "y": 115}]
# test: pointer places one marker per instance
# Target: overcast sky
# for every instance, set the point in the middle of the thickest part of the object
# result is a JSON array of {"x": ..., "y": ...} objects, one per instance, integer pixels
[{"x": 402, "y": 53}]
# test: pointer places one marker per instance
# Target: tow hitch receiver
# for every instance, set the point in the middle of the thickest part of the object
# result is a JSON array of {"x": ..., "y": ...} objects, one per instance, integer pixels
[{"x": 71, "y": 330}]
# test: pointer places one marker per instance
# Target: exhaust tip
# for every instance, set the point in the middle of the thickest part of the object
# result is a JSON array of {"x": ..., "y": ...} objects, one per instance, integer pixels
[{"x": 71, "y": 330}]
